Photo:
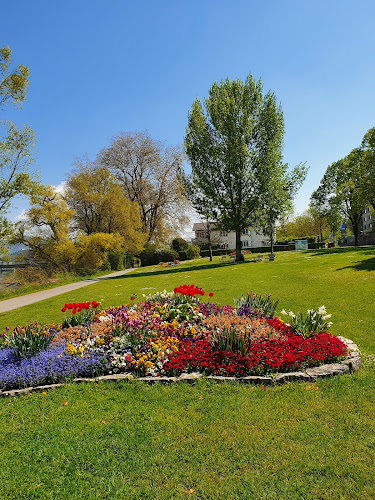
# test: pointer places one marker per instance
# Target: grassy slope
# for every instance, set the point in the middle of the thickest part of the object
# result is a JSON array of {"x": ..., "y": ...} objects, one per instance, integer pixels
[{"x": 299, "y": 441}]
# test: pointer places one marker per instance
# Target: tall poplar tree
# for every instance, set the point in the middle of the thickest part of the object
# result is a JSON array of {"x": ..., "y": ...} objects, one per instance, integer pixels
[{"x": 234, "y": 142}]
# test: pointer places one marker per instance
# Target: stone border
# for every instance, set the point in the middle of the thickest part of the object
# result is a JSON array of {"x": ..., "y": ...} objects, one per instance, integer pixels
[{"x": 352, "y": 363}]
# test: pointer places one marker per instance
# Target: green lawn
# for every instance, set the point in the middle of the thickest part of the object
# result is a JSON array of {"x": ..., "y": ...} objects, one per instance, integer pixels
[{"x": 206, "y": 440}]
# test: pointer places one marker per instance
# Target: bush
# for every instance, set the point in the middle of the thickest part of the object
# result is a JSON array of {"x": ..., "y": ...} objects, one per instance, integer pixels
[
  {"x": 116, "y": 260},
  {"x": 179, "y": 245},
  {"x": 193, "y": 252},
  {"x": 166, "y": 255}
]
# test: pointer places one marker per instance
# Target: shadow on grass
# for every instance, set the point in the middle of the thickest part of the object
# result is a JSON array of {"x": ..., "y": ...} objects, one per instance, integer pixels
[
  {"x": 364, "y": 265},
  {"x": 176, "y": 270},
  {"x": 325, "y": 251}
]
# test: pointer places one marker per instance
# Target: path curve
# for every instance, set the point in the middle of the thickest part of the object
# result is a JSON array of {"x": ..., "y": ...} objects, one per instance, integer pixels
[{"x": 31, "y": 298}]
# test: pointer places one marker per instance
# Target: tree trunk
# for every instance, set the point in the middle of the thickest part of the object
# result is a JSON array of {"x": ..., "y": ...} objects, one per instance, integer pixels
[
  {"x": 209, "y": 239},
  {"x": 238, "y": 245},
  {"x": 356, "y": 234},
  {"x": 271, "y": 237}
]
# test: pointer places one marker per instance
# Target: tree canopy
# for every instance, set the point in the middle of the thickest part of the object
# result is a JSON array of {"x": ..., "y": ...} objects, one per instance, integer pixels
[
  {"x": 100, "y": 205},
  {"x": 368, "y": 166},
  {"x": 150, "y": 175},
  {"x": 341, "y": 190},
  {"x": 17, "y": 145},
  {"x": 234, "y": 144}
]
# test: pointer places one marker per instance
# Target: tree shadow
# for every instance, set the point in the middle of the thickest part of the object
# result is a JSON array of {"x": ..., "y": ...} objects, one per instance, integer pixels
[
  {"x": 363, "y": 265},
  {"x": 325, "y": 251},
  {"x": 177, "y": 270}
]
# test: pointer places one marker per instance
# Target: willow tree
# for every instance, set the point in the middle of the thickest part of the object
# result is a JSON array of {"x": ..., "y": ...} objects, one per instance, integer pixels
[{"x": 234, "y": 144}]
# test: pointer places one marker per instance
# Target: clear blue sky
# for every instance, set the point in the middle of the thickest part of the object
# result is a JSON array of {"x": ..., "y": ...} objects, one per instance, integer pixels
[{"x": 101, "y": 67}]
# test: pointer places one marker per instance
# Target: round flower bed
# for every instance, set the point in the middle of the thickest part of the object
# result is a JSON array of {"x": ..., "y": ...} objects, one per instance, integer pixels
[{"x": 168, "y": 334}]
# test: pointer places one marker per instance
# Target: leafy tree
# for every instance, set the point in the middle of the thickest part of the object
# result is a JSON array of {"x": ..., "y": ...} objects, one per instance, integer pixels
[
  {"x": 341, "y": 189},
  {"x": 368, "y": 166},
  {"x": 92, "y": 250},
  {"x": 207, "y": 211},
  {"x": 309, "y": 224},
  {"x": 101, "y": 206},
  {"x": 16, "y": 145},
  {"x": 278, "y": 202},
  {"x": 14, "y": 83},
  {"x": 178, "y": 244},
  {"x": 231, "y": 145},
  {"x": 46, "y": 229},
  {"x": 149, "y": 174}
]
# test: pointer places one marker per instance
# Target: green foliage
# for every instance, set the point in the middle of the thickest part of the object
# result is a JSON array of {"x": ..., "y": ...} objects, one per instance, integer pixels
[
  {"x": 17, "y": 146},
  {"x": 257, "y": 304},
  {"x": 151, "y": 255},
  {"x": 368, "y": 167},
  {"x": 341, "y": 190},
  {"x": 312, "y": 322},
  {"x": 150, "y": 174},
  {"x": 28, "y": 340},
  {"x": 14, "y": 83},
  {"x": 230, "y": 339},
  {"x": 179, "y": 244},
  {"x": 116, "y": 260},
  {"x": 100, "y": 205},
  {"x": 233, "y": 146}
]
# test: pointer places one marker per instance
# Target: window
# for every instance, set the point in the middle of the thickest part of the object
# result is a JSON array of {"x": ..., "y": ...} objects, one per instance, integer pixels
[
  {"x": 224, "y": 245},
  {"x": 244, "y": 244},
  {"x": 223, "y": 233}
]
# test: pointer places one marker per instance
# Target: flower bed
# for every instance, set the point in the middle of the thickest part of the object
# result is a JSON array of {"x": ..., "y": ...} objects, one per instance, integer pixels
[{"x": 168, "y": 334}]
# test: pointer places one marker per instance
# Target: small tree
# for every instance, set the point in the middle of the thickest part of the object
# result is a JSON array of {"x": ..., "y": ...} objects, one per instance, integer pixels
[{"x": 281, "y": 189}]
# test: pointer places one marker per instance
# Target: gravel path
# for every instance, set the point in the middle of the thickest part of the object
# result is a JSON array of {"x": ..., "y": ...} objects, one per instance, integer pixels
[{"x": 31, "y": 298}]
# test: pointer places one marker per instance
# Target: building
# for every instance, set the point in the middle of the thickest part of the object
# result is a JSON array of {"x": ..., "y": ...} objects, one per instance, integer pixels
[
  {"x": 250, "y": 238},
  {"x": 368, "y": 221}
]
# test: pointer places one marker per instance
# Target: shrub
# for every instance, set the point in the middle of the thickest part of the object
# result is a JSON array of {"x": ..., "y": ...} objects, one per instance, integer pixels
[{"x": 179, "y": 244}]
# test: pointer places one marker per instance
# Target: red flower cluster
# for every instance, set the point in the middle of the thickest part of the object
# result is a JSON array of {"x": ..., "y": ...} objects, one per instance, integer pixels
[
  {"x": 264, "y": 356},
  {"x": 78, "y": 306},
  {"x": 191, "y": 290}
]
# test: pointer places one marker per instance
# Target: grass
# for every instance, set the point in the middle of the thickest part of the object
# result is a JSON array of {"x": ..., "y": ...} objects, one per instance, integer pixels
[
  {"x": 207, "y": 441},
  {"x": 37, "y": 287}
]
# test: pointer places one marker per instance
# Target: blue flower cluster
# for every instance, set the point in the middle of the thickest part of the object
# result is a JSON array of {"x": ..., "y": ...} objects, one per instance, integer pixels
[{"x": 48, "y": 367}]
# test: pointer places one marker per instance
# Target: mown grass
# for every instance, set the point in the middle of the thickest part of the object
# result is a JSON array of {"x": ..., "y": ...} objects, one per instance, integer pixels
[
  {"x": 63, "y": 279},
  {"x": 206, "y": 440},
  {"x": 341, "y": 279}
]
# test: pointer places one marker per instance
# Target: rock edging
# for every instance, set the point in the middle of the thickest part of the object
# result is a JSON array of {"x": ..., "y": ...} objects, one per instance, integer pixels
[{"x": 352, "y": 363}]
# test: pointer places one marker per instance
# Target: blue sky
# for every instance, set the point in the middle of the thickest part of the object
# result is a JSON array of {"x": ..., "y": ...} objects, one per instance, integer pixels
[{"x": 101, "y": 67}]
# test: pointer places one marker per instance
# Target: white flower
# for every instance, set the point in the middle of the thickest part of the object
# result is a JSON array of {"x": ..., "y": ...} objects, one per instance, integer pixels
[
  {"x": 103, "y": 319},
  {"x": 322, "y": 310},
  {"x": 283, "y": 312},
  {"x": 291, "y": 314},
  {"x": 327, "y": 316}
]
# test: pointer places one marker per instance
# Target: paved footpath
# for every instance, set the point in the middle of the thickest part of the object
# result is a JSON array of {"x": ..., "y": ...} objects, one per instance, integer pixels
[{"x": 31, "y": 298}]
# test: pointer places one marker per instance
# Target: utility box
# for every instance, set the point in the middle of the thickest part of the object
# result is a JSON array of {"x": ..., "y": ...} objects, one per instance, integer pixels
[{"x": 301, "y": 244}]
